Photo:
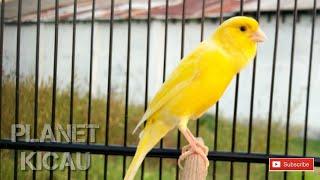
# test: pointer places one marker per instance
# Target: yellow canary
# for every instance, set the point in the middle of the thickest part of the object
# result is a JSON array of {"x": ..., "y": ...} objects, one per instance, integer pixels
[{"x": 197, "y": 83}]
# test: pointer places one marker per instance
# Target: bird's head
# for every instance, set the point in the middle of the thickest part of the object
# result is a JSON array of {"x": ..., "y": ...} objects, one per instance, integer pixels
[{"x": 239, "y": 37}]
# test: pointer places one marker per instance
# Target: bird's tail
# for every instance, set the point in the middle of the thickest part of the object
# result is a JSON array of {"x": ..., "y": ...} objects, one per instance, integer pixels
[{"x": 150, "y": 136}]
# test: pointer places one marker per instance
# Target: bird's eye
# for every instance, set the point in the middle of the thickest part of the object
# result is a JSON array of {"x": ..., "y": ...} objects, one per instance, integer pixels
[{"x": 243, "y": 28}]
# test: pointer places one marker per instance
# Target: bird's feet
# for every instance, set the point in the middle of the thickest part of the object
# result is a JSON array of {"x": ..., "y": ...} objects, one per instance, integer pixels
[
  {"x": 200, "y": 143},
  {"x": 197, "y": 147}
]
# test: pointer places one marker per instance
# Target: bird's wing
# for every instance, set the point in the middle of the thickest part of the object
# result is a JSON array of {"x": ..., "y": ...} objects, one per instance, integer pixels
[{"x": 181, "y": 78}]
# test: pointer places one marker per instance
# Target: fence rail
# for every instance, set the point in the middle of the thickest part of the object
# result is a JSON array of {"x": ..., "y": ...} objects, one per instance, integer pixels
[{"x": 129, "y": 151}]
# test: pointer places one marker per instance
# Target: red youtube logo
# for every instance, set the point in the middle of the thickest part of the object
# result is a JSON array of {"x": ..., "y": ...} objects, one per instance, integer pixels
[{"x": 291, "y": 164}]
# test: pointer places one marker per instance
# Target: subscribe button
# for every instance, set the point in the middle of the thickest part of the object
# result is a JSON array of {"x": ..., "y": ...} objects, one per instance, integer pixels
[{"x": 291, "y": 164}]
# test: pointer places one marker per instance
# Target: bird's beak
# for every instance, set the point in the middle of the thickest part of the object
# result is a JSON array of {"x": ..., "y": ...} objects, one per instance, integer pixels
[{"x": 259, "y": 36}]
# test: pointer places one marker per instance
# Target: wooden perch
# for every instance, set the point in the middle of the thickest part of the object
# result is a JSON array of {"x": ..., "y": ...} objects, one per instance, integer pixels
[{"x": 194, "y": 166}]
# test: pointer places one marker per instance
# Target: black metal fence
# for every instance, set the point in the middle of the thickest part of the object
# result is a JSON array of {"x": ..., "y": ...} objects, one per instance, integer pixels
[{"x": 108, "y": 149}]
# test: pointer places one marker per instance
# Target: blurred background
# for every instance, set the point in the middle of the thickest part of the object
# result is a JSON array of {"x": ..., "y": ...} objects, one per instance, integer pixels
[{"x": 157, "y": 52}]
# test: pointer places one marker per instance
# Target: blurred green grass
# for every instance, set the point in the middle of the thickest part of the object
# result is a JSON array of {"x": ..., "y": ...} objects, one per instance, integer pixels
[{"x": 116, "y": 133}]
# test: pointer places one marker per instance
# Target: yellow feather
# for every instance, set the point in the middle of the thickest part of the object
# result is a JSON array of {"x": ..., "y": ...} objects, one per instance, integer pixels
[
  {"x": 155, "y": 129},
  {"x": 196, "y": 84}
]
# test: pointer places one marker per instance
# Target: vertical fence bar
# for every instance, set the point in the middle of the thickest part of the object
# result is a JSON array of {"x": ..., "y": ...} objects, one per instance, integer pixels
[
  {"x": 253, "y": 80},
  {"x": 17, "y": 92},
  {"x": 164, "y": 72},
  {"x": 181, "y": 56},
  {"x": 290, "y": 80},
  {"x": 201, "y": 38},
  {"x": 234, "y": 123},
  {"x": 55, "y": 63},
  {"x": 305, "y": 132},
  {"x": 147, "y": 71},
  {"x": 274, "y": 61},
  {"x": 216, "y": 119},
  {"x": 72, "y": 72},
  {"x": 90, "y": 73},
  {"x": 1, "y": 59},
  {"x": 105, "y": 175},
  {"x": 127, "y": 89},
  {"x": 1, "y": 62},
  {"x": 36, "y": 83},
  {"x": 74, "y": 19}
]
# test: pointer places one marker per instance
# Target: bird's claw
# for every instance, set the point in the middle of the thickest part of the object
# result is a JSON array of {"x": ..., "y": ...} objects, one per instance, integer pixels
[
  {"x": 204, "y": 148},
  {"x": 183, "y": 156},
  {"x": 200, "y": 149}
]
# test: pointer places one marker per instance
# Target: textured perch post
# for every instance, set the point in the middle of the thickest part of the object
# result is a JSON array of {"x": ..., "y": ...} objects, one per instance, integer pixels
[{"x": 194, "y": 166}]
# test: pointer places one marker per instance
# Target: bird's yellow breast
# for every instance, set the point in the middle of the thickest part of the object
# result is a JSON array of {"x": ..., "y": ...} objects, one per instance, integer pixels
[{"x": 216, "y": 70}]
